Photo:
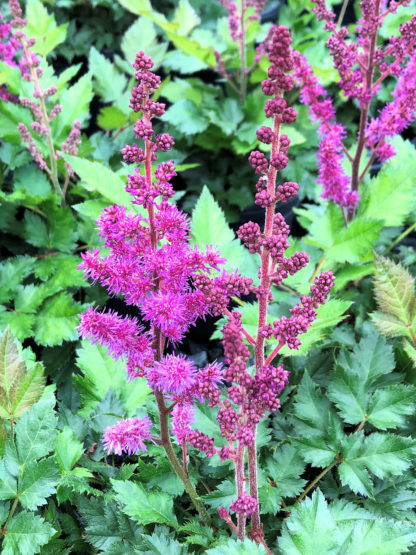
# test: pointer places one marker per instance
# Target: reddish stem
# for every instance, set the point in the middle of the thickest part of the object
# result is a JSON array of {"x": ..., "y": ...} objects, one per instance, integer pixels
[
  {"x": 270, "y": 358},
  {"x": 245, "y": 332}
]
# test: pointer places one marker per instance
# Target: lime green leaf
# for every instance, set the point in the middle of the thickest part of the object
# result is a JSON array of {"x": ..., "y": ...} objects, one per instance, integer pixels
[
  {"x": 111, "y": 118},
  {"x": 380, "y": 537},
  {"x": 109, "y": 83},
  {"x": 68, "y": 449},
  {"x": 186, "y": 117},
  {"x": 161, "y": 543},
  {"x": 310, "y": 529},
  {"x": 37, "y": 482},
  {"x": 75, "y": 102},
  {"x": 143, "y": 506},
  {"x": 20, "y": 387},
  {"x": 396, "y": 301},
  {"x": 391, "y": 195},
  {"x": 236, "y": 547},
  {"x": 98, "y": 177},
  {"x": 354, "y": 243},
  {"x": 228, "y": 116},
  {"x": 102, "y": 373},
  {"x": 57, "y": 320},
  {"x": 209, "y": 227},
  {"x": 20, "y": 324},
  {"x": 142, "y": 36},
  {"x": 42, "y": 26},
  {"x": 26, "y": 534}
]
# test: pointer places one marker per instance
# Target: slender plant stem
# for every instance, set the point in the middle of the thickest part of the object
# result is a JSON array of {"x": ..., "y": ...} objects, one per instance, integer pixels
[
  {"x": 158, "y": 344},
  {"x": 11, "y": 513},
  {"x": 342, "y": 13},
  {"x": 319, "y": 266},
  {"x": 361, "y": 426},
  {"x": 325, "y": 471},
  {"x": 242, "y": 46},
  {"x": 399, "y": 238},
  {"x": 272, "y": 355},
  {"x": 53, "y": 170},
  {"x": 245, "y": 332}
]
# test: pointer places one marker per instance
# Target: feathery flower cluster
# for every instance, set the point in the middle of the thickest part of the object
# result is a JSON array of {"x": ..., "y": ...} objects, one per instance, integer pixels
[
  {"x": 362, "y": 65},
  {"x": 151, "y": 263},
  {"x": 128, "y": 436},
  {"x": 10, "y": 50}
]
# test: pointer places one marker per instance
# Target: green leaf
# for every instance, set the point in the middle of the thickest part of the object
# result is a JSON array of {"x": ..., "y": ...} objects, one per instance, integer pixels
[
  {"x": 310, "y": 529},
  {"x": 143, "y": 506},
  {"x": 68, "y": 449},
  {"x": 103, "y": 373},
  {"x": 26, "y": 534},
  {"x": 223, "y": 496},
  {"x": 98, "y": 177},
  {"x": 391, "y": 194},
  {"x": 36, "y": 432},
  {"x": 354, "y": 243},
  {"x": 389, "y": 406},
  {"x": 186, "y": 17},
  {"x": 106, "y": 524},
  {"x": 42, "y": 26},
  {"x": 12, "y": 273},
  {"x": 142, "y": 36},
  {"x": 58, "y": 233},
  {"x": 186, "y": 117},
  {"x": 209, "y": 227},
  {"x": 161, "y": 543},
  {"x": 109, "y": 83},
  {"x": 37, "y": 482},
  {"x": 111, "y": 118},
  {"x": 228, "y": 116},
  {"x": 311, "y": 406},
  {"x": 57, "y": 321},
  {"x": 380, "y": 537},
  {"x": 396, "y": 301},
  {"x": 8, "y": 482},
  {"x": 20, "y": 387},
  {"x": 75, "y": 101},
  {"x": 236, "y": 547}
]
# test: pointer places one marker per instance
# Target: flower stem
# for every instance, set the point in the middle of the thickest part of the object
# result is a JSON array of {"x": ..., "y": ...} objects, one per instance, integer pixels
[
  {"x": 399, "y": 238},
  {"x": 11, "y": 513},
  {"x": 325, "y": 471}
]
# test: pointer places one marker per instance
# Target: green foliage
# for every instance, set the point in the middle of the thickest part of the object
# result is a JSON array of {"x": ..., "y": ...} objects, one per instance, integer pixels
[
  {"x": 143, "y": 506},
  {"x": 21, "y": 384},
  {"x": 314, "y": 527},
  {"x": 394, "y": 290},
  {"x": 42, "y": 26},
  {"x": 26, "y": 534},
  {"x": 235, "y": 547}
]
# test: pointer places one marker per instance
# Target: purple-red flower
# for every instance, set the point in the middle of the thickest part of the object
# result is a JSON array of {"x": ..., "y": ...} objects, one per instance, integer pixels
[{"x": 127, "y": 436}]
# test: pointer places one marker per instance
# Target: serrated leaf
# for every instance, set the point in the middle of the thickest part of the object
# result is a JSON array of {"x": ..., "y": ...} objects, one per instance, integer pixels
[
  {"x": 103, "y": 373},
  {"x": 142, "y": 36},
  {"x": 395, "y": 296},
  {"x": 143, "y": 506},
  {"x": 26, "y": 534},
  {"x": 106, "y": 524},
  {"x": 36, "y": 432},
  {"x": 161, "y": 543},
  {"x": 98, "y": 177},
  {"x": 354, "y": 243},
  {"x": 68, "y": 449},
  {"x": 311, "y": 406},
  {"x": 20, "y": 387},
  {"x": 389, "y": 406},
  {"x": 310, "y": 529},
  {"x": 186, "y": 117},
  {"x": 380, "y": 537},
  {"x": 222, "y": 496},
  {"x": 8, "y": 482},
  {"x": 37, "y": 482},
  {"x": 109, "y": 83},
  {"x": 75, "y": 102},
  {"x": 237, "y": 547},
  {"x": 390, "y": 195},
  {"x": 12, "y": 273},
  {"x": 42, "y": 26},
  {"x": 57, "y": 320}
]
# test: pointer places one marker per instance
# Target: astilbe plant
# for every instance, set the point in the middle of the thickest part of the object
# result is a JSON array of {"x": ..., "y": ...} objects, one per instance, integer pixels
[
  {"x": 151, "y": 263},
  {"x": 43, "y": 114},
  {"x": 363, "y": 62}
]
